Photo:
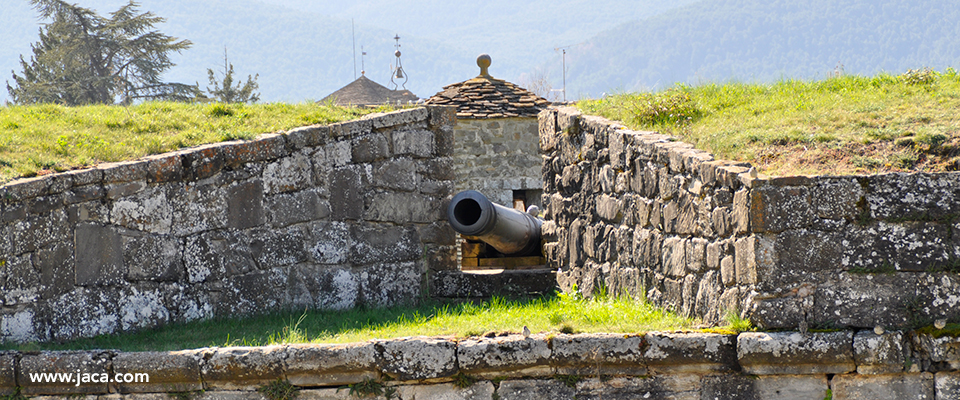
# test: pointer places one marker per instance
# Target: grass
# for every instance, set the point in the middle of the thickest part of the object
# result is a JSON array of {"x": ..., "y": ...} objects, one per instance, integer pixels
[
  {"x": 560, "y": 313},
  {"x": 844, "y": 124},
  {"x": 41, "y": 139}
]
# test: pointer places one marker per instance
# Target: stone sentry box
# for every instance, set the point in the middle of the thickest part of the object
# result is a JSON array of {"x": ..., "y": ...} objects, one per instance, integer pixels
[
  {"x": 496, "y": 140},
  {"x": 639, "y": 212},
  {"x": 327, "y": 217}
]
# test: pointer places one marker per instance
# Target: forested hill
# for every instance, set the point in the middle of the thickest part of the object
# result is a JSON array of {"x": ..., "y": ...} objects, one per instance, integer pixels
[{"x": 766, "y": 40}]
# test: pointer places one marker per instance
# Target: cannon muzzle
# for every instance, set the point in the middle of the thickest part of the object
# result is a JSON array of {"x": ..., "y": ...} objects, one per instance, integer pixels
[{"x": 511, "y": 232}]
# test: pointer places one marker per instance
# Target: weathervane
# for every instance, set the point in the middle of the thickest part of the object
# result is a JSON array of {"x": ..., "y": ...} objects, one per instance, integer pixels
[{"x": 398, "y": 71}]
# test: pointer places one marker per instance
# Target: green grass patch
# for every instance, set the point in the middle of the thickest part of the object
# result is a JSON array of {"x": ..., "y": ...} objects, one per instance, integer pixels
[
  {"x": 563, "y": 312},
  {"x": 840, "y": 125},
  {"x": 46, "y": 138}
]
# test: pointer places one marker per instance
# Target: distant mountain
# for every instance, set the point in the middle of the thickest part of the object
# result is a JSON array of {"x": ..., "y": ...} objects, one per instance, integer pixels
[
  {"x": 303, "y": 49},
  {"x": 767, "y": 40}
]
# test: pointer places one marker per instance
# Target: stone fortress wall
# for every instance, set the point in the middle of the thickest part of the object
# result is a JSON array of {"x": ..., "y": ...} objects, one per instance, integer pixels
[
  {"x": 638, "y": 212},
  {"x": 656, "y": 365},
  {"x": 328, "y": 217}
]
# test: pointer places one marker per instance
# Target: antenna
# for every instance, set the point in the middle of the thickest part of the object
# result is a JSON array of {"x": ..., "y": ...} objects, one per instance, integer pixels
[
  {"x": 353, "y": 31},
  {"x": 563, "y": 66}
]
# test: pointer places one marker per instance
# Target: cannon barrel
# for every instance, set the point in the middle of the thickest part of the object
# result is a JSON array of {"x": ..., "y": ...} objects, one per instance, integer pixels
[{"x": 510, "y": 231}]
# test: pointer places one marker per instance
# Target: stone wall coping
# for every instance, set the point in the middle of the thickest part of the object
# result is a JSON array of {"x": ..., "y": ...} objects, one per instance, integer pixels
[
  {"x": 208, "y": 159},
  {"x": 421, "y": 360}
]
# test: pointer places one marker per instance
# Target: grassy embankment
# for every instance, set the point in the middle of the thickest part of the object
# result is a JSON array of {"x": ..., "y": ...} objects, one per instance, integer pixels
[
  {"x": 41, "y": 139},
  {"x": 559, "y": 314},
  {"x": 841, "y": 125}
]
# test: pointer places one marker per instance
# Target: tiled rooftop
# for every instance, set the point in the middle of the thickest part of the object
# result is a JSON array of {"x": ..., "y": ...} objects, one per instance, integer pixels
[{"x": 487, "y": 97}]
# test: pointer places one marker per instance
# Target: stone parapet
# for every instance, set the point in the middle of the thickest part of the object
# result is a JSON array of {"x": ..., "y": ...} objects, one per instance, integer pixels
[
  {"x": 641, "y": 213},
  {"x": 327, "y": 217},
  {"x": 753, "y": 365}
]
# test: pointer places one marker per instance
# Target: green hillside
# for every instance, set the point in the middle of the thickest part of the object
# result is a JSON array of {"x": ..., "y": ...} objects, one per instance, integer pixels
[
  {"x": 844, "y": 124},
  {"x": 767, "y": 40}
]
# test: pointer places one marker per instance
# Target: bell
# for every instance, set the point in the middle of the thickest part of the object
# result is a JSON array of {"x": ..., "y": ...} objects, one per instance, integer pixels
[{"x": 399, "y": 73}]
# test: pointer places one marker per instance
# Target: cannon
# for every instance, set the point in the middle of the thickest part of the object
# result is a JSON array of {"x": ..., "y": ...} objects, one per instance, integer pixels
[{"x": 512, "y": 233}]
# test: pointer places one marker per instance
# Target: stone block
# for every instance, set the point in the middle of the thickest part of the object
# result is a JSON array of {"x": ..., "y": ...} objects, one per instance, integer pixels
[
  {"x": 868, "y": 300},
  {"x": 23, "y": 189},
  {"x": 599, "y": 354},
  {"x": 26, "y": 325},
  {"x": 905, "y": 246},
  {"x": 416, "y": 143},
  {"x": 921, "y": 196},
  {"x": 609, "y": 208},
  {"x": 82, "y": 177},
  {"x": 728, "y": 271},
  {"x": 947, "y": 385},
  {"x": 272, "y": 248},
  {"x": 327, "y": 394},
  {"x": 99, "y": 258},
  {"x": 203, "y": 161},
  {"x": 290, "y": 208},
  {"x": 352, "y": 128},
  {"x": 369, "y": 148},
  {"x": 440, "y": 233},
  {"x": 245, "y": 205},
  {"x": 673, "y": 386},
  {"x": 252, "y": 293},
  {"x": 777, "y": 313},
  {"x": 20, "y": 282},
  {"x": 505, "y": 356},
  {"x": 536, "y": 389},
  {"x": 942, "y": 350},
  {"x": 79, "y": 194},
  {"x": 878, "y": 354},
  {"x": 200, "y": 207},
  {"x": 241, "y": 368},
  {"x": 89, "y": 365},
  {"x": 177, "y": 371},
  {"x": 346, "y": 193},
  {"x": 330, "y": 242},
  {"x": 162, "y": 168},
  {"x": 84, "y": 313},
  {"x": 308, "y": 365},
  {"x": 323, "y": 287},
  {"x": 775, "y": 209},
  {"x": 397, "y": 174},
  {"x": 288, "y": 174},
  {"x": 398, "y": 118},
  {"x": 836, "y": 198},
  {"x": 266, "y": 147},
  {"x": 417, "y": 358},
  {"x": 696, "y": 252},
  {"x": 690, "y": 352},
  {"x": 307, "y": 136},
  {"x": 149, "y": 257},
  {"x": 772, "y": 353},
  {"x": 214, "y": 255},
  {"x": 403, "y": 208},
  {"x": 371, "y": 242},
  {"x": 8, "y": 376},
  {"x": 391, "y": 284},
  {"x": 790, "y": 387},
  {"x": 141, "y": 307},
  {"x": 647, "y": 245},
  {"x": 674, "y": 257},
  {"x": 478, "y": 391},
  {"x": 884, "y": 387}
]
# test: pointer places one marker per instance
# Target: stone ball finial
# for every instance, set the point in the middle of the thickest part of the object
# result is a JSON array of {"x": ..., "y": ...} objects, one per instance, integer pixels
[{"x": 483, "y": 61}]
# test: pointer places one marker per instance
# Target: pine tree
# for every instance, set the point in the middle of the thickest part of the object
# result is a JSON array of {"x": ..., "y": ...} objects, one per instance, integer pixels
[
  {"x": 226, "y": 92},
  {"x": 84, "y": 58}
]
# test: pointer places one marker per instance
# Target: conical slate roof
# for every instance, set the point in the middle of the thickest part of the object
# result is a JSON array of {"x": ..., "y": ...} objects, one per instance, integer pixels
[
  {"x": 486, "y": 97},
  {"x": 364, "y": 91}
]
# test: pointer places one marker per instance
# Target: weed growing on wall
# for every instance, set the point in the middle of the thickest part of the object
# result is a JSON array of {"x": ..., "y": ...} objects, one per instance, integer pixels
[{"x": 279, "y": 390}]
